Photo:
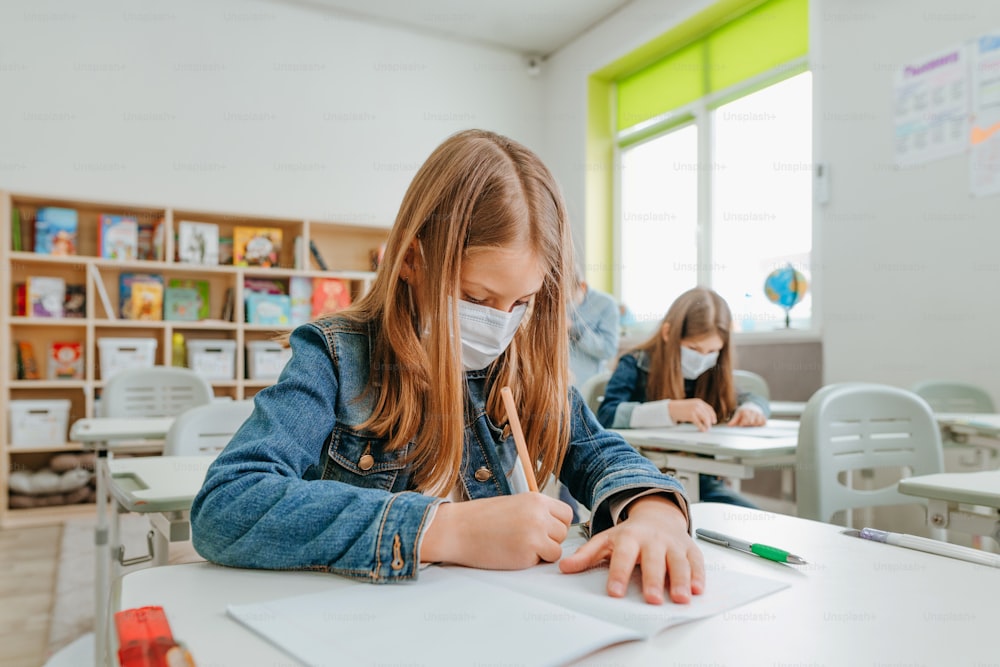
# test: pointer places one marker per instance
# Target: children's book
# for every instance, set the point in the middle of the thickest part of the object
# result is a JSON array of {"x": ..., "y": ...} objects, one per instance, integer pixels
[
  {"x": 300, "y": 290},
  {"x": 329, "y": 296},
  {"x": 15, "y": 229},
  {"x": 182, "y": 304},
  {"x": 46, "y": 296},
  {"x": 272, "y": 309},
  {"x": 126, "y": 286},
  {"x": 55, "y": 231},
  {"x": 202, "y": 287},
  {"x": 118, "y": 236},
  {"x": 198, "y": 242},
  {"x": 150, "y": 246},
  {"x": 265, "y": 285},
  {"x": 66, "y": 361},
  {"x": 256, "y": 246},
  {"x": 75, "y": 303},
  {"x": 317, "y": 257},
  {"x": 550, "y": 618},
  {"x": 20, "y": 299},
  {"x": 27, "y": 365},
  {"x": 147, "y": 301}
]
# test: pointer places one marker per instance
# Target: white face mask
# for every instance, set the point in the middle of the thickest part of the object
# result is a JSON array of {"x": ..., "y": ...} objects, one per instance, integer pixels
[
  {"x": 486, "y": 332},
  {"x": 694, "y": 363}
]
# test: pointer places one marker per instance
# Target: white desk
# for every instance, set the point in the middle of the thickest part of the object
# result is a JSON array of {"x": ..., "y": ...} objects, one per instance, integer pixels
[
  {"x": 107, "y": 434},
  {"x": 787, "y": 409},
  {"x": 734, "y": 452},
  {"x": 855, "y": 603},
  {"x": 947, "y": 492},
  {"x": 980, "y": 431}
]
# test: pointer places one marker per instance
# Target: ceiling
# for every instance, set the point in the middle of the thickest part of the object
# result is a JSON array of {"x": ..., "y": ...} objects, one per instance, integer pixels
[{"x": 531, "y": 27}]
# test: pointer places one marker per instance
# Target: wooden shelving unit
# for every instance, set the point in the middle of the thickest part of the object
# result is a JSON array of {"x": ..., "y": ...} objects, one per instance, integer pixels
[{"x": 346, "y": 249}]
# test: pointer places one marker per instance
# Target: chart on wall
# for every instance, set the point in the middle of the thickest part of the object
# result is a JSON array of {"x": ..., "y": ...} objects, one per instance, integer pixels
[
  {"x": 931, "y": 115},
  {"x": 984, "y": 134}
]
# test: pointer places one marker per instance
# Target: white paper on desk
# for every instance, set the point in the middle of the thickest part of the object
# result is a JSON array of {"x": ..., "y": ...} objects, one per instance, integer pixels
[
  {"x": 454, "y": 616},
  {"x": 586, "y": 592},
  {"x": 746, "y": 431},
  {"x": 439, "y": 621}
]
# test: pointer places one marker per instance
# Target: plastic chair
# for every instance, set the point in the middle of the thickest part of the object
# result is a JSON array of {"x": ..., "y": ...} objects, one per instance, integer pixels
[
  {"x": 206, "y": 429},
  {"x": 592, "y": 390},
  {"x": 160, "y": 391},
  {"x": 751, "y": 382},
  {"x": 947, "y": 396},
  {"x": 852, "y": 426}
]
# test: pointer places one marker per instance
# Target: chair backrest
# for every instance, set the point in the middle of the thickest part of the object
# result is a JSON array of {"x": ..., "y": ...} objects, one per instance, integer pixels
[
  {"x": 751, "y": 382},
  {"x": 854, "y": 426},
  {"x": 160, "y": 391},
  {"x": 592, "y": 390},
  {"x": 947, "y": 396},
  {"x": 206, "y": 429}
]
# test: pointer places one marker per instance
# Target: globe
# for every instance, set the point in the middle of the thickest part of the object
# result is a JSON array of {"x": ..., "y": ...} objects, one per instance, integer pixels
[{"x": 785, "y": 287}]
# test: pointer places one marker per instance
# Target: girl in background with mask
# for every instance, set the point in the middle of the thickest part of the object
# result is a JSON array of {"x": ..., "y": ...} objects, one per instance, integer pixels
[
  {"x": 385, "y": 444},
  {"x": 684, "y": 373}
]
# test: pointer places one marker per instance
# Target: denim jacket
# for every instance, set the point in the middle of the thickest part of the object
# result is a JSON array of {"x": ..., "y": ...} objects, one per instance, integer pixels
[
  {"x": 300, "y": 486},
  {"x": 627, "y": 388}
]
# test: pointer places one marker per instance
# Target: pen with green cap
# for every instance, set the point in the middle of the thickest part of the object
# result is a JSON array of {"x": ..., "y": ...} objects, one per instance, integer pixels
[{"x": 762, "y": 550}]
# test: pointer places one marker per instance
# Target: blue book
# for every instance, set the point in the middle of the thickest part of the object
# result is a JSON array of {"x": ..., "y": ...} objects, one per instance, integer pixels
[
  {"x": 271, "y": 309},
  {"x": 55, "y": 231}
]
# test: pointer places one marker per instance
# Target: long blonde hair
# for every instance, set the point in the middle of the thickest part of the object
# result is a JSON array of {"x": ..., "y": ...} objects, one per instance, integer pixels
[
  {"x": 695, "y": 313},
  {"x": 476, "y": 190}
]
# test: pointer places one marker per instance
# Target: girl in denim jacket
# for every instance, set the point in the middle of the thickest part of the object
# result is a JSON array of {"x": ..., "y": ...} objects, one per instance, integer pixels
[
  {"x": 684, "y": 373},
  {"x": 384, "y": 443}
]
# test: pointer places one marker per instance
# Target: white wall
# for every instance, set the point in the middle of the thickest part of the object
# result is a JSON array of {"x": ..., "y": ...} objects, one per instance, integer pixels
[
  {"x": 909, "y": 258},
  {"x": 239, "y": 105},
  {"x": 907, "y": 262}
]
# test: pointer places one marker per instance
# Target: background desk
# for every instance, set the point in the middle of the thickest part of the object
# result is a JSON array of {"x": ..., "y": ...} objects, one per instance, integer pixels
[
  {"x": 787, "y": 409},
  {"x": 731, "y": 455},
  {"x": 105, "y": 435},
  {"x": 947, "y": 492},
  {"x": 856, "y": 602},
  {"x": 980, "y": 432}
]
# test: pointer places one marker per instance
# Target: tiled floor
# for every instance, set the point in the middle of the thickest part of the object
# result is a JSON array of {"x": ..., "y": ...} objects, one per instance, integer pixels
[{"x": 28, "y": 564}]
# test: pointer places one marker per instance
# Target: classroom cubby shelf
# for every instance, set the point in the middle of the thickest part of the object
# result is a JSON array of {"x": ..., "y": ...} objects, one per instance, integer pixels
[{"x": 345, "y": 247}]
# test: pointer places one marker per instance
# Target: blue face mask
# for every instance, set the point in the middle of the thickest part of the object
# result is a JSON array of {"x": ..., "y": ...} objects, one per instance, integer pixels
[{"x": 694, "y": 363}]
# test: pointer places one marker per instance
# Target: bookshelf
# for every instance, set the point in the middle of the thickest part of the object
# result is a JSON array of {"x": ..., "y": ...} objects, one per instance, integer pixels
[{"x": 346, "y": 249}]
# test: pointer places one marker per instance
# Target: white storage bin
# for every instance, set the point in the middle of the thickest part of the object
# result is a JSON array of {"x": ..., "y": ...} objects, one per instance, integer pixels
[
  {"x": 212, "y": 359},
  {"x": 117, "y": 354},
  {"x": 39, "y": 422},
  {"x": 265, "y": 359}
]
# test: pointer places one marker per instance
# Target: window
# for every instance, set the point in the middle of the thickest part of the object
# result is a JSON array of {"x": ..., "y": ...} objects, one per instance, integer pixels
[
  {"x": 724, "y": 212},
  {"x": 711, "y": 124}
]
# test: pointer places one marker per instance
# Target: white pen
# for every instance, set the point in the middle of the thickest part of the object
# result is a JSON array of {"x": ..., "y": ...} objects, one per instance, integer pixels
[{"x": 929, "y": 546}]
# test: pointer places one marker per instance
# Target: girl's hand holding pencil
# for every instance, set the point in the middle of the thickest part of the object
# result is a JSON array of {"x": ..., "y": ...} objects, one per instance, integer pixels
[{"x": 505, "y": 532}]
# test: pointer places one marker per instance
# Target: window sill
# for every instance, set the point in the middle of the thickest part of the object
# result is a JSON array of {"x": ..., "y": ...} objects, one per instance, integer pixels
[{"x": 777, "y": 336}]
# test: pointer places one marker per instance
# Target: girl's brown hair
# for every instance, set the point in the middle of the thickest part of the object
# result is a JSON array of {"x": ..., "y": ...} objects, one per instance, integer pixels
[
  {"x": 477, "y": 190},
  {"x": 696, "y": 313}
]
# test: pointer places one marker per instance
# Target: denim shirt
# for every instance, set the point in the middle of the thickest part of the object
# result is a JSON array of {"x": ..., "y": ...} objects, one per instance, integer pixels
[
  {"x": 301, "y": 486},
  {"x": 627, "y": 388}
]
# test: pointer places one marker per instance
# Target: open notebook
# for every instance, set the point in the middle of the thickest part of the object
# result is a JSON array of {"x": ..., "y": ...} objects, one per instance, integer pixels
[{"x": 458, "y": 616}]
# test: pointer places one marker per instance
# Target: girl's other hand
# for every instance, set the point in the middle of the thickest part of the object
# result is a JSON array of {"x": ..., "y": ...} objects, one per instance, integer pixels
[
  {"x": 499, "y": 533},
  {"x": 693, "y": 410},
  {"x": 747, "y": 416},
  {"x": 655, "y": 538}
]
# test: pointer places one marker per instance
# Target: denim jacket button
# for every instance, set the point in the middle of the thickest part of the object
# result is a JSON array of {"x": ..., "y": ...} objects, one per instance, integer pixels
[
  {"x": 483, "y": 474},
  {"x": 366, "y": 462}
]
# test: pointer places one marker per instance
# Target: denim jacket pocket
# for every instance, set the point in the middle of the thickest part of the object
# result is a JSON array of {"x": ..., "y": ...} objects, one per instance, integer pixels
[{"x": 360, "y": 459}]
